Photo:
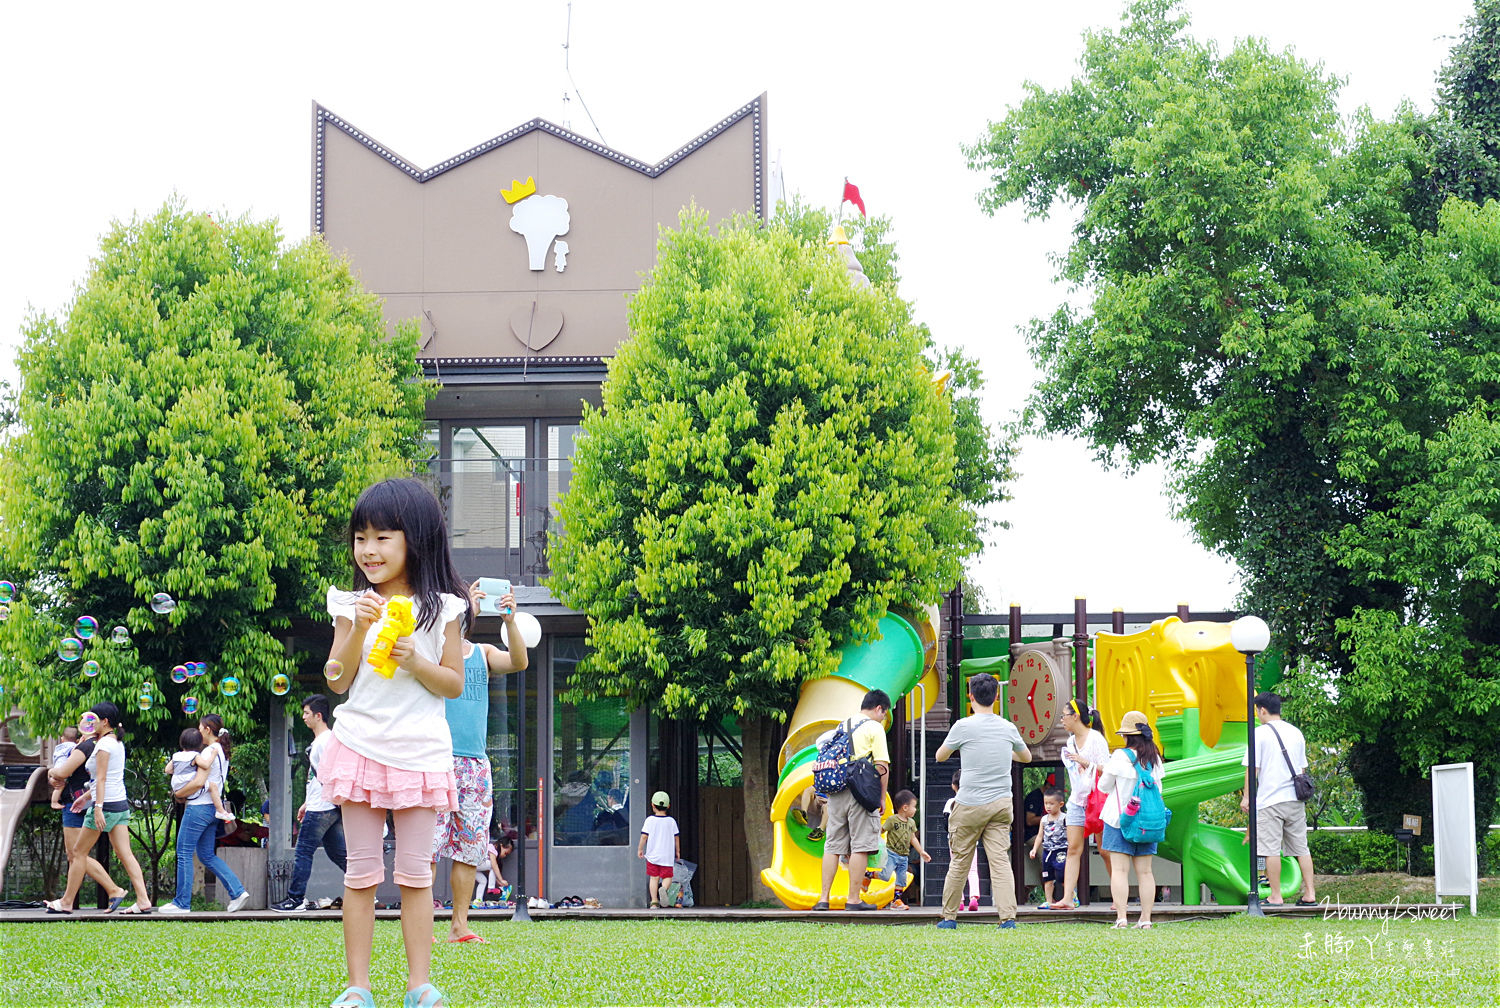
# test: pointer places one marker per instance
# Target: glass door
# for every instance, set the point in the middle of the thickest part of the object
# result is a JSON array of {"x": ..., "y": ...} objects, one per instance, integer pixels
[{"x": 597, "y": 755}]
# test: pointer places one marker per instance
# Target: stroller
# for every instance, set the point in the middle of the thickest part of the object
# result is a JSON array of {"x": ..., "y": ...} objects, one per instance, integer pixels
[{"x": 680, "y": 890}]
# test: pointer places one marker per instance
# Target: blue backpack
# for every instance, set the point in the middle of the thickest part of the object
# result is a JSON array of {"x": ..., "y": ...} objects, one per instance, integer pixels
[{"x": 1148, "y": 823}]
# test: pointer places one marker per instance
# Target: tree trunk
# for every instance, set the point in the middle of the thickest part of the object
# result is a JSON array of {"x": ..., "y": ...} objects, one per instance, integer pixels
[{"x": 761, "y": 738}]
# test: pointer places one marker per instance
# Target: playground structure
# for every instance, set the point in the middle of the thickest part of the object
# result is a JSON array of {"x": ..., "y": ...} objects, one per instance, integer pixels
[
  {"x": 1183, "y": 674},
  {"x": 902, "y": 660}
]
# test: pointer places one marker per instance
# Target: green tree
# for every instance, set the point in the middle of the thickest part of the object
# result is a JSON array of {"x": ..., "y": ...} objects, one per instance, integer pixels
[
  {"x": 198, "y": 422},
  {"x": 1277, "y": 312},
  {"x": 771, "y": 469}
]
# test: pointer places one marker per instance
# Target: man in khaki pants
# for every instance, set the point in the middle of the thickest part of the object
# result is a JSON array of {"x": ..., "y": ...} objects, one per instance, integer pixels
[{"x": 982, "y": 807}]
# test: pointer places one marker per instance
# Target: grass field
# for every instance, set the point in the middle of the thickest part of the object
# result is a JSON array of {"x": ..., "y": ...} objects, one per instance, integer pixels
[{"x": 1235, "y": 961}]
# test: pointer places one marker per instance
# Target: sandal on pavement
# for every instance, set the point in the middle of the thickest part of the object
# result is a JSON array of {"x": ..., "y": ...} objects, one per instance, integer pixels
[
  {"x": 354, "y": 997},
  {"x": 114, "y": 903},
  {"x": 137, "y": 910},
  {"x": 425, "y": 996},
  {"x": 55, "y": 907},
  {"x": 820, "y": 905}
]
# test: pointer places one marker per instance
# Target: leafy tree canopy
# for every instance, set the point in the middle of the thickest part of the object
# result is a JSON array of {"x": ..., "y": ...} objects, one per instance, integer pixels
[
  {"x": 198, "y": 423},
  {"x": 772, "y": 467},
  {"x": 983, "y": 457},
  {"x": 1300, "y": 317}
]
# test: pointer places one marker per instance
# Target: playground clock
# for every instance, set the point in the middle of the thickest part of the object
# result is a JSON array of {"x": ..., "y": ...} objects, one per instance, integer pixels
[{"x": 1032, "y": 699}]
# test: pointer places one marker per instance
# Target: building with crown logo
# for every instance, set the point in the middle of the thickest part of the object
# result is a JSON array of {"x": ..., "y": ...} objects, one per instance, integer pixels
[{"x": 516, "y": 259}]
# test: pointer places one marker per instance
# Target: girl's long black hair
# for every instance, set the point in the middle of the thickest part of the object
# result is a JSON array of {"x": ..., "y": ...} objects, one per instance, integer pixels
[
  {"x": 407, "y": 506},
  {"x": 1092, "y": 718},
  {"x": 1144, "y": 746}
]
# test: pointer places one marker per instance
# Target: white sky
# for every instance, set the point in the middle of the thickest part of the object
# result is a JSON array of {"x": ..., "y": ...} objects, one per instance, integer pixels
[{"x": 110, "y": 108}]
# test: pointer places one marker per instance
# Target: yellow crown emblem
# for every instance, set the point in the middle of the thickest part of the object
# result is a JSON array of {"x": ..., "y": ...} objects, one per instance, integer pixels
[{"x": 519, "y": 190}]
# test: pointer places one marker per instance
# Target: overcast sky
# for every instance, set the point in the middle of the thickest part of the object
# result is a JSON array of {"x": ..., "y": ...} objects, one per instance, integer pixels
[{"x": 110, "y": 108}]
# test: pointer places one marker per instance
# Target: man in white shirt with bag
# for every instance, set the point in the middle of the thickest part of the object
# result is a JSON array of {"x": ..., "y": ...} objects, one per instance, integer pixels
[{"x": 1280, "y": 816}]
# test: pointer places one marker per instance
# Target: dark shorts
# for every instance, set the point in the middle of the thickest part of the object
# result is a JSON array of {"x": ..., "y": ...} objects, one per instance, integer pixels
[
  {"x": 71, "y": 819},
  {"x": 658, "y": 870},
  {"x": 1053, "y": 862}
]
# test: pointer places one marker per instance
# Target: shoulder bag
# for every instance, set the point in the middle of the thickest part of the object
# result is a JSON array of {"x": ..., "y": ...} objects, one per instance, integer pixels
[{"x": 1302, "y": 785}]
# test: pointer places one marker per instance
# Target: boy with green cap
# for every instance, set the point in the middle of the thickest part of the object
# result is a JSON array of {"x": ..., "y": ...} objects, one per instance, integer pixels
[{"x": 660, "y": 845}]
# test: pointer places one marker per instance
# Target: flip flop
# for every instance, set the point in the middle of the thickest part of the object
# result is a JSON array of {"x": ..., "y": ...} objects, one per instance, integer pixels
[
  {"x": 1144, "y": 924},
  {"x": 481, "y": 939},
  {"x": 136, "y": 910},
  {"x": 354, "y": 997},
  {"x": 1311, "y": 902},
  {"x": 1118, "y": 925},
  {"x": 114, "y": 903},
  {"x": 425, "y": 996},
  {"x": 55, "y": 907}
]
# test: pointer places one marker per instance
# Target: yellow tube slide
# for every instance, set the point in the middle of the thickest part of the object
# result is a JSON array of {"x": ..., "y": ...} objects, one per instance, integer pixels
[{"x": 902, "y": 658}]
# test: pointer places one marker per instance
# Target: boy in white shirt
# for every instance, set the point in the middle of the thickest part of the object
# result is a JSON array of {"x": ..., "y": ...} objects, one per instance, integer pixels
[{"x": 660, "y": 845}]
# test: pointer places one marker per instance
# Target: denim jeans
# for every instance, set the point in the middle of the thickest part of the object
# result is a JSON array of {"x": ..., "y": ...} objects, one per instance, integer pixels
[
  {"x": 196, "y": 835},
  {"x": 319, "y": 829},
  {"x": 896, "y": 865}
]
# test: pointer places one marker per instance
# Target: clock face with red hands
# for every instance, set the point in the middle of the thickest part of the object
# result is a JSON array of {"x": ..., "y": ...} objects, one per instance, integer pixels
[{"x": 1032, "y": 699}]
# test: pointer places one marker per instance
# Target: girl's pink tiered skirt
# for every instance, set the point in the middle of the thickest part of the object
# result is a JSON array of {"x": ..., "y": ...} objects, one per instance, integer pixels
[{"x": 349, "y": 777}]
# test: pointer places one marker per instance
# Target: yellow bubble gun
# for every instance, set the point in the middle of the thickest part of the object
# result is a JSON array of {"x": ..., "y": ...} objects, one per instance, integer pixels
[{"x": 398, "y": 622}]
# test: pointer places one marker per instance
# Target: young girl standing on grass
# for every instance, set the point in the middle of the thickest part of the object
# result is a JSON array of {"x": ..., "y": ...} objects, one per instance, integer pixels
[{"x": 391, "y": 748}]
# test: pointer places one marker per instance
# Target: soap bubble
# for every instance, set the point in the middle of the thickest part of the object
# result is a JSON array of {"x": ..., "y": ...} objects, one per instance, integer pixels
[
  {"x": 7, "y": 592},
  {"x": 280, "y": 684},
  {"x": 85, "y": 627},
  {"x": 143, "y": 701},
  {"x": 162, "y": 603},
  {"x": 91, "y": 668},
  {"x": 87, "y": 722},
  {"x": 4, "y": 612},
  {"x": 333, "y": 669},
  {"x": 179, "y": 674},
  {"x": 201, "y": 668},
  {"x": 70, "y": 649},
  {"x": 229, "y": 685},
  {"x": 189, "y": 705},
  {"x": 119, "y": 636}
]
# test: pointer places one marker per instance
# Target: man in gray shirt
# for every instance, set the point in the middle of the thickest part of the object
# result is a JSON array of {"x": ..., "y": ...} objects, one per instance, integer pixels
[{"x": 982, "y": 807}]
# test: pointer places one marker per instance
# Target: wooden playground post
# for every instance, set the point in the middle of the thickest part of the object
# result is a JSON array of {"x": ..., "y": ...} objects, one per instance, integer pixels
[{"x": 1081, "y": 691}]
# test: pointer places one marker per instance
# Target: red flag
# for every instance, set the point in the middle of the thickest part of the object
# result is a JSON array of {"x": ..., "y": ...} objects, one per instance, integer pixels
[{"x": 851, "y": 195}]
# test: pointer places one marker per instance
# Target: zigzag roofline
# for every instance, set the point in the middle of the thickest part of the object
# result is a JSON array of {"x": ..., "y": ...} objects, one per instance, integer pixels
[{"x": 323, "y": 119}]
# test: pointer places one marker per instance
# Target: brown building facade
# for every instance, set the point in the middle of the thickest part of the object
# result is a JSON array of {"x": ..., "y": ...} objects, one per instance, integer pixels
[{"x": 516, "y": 259}]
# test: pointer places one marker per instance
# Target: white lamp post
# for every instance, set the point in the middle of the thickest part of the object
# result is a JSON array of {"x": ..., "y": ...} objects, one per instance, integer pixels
[{"x": 1249, "y": 635}]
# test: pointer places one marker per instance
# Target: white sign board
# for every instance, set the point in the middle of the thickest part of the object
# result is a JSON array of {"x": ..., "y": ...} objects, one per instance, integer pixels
[{"x": 1454, "y": 854}]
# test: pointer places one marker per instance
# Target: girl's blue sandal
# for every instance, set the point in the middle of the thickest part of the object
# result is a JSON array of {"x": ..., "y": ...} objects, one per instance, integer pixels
[
  {"x": 354, "y": 997},
  {"x": 425, "y": 996}
]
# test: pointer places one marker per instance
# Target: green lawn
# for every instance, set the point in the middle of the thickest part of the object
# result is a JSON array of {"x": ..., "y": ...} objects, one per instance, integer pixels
[{"x": 1234, "y": 961}]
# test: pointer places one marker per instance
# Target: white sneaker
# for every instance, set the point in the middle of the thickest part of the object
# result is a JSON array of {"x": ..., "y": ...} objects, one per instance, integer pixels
[
  {"x": 171, "y": 908},
  {"x": 237, "y": 902}
]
